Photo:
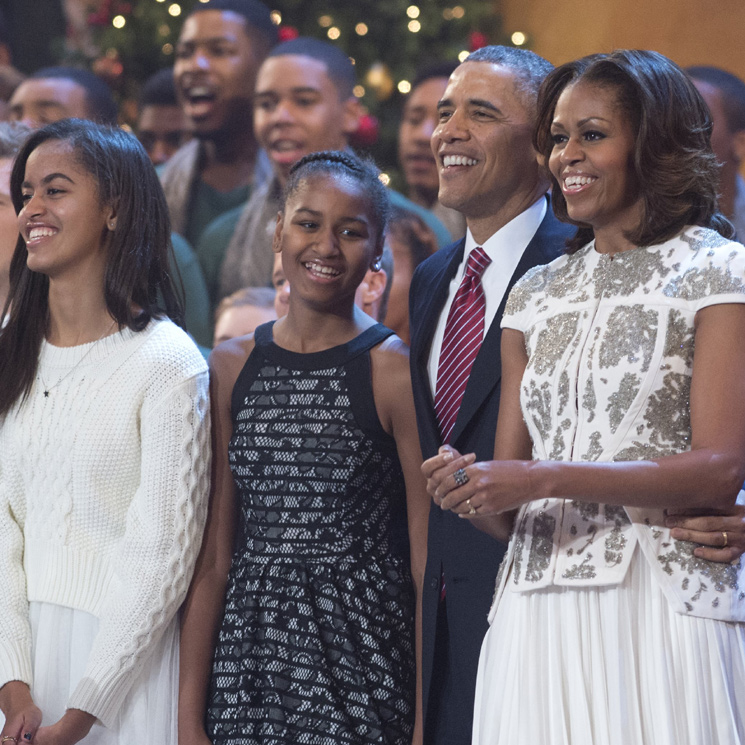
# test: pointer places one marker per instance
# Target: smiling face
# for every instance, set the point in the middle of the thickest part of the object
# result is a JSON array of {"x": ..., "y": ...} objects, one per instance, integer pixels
[
  {"x": 483, "y": 144},
  {"x": 62, "y": 220},
  {"x": 592, "y": 158},
  {"x": 418, "y": 122},
  {"x": 298, "y": 110},
  {"x": 328, "y": 240},
  {"x": 215, "y": 71}
]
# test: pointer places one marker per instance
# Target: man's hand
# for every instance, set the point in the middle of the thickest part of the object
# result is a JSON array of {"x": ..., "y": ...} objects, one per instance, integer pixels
[{"x": 722, "y": 537}]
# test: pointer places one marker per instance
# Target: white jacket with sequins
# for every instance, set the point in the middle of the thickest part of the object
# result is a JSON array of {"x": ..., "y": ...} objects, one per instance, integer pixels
[{"x": 610, "y": 345}]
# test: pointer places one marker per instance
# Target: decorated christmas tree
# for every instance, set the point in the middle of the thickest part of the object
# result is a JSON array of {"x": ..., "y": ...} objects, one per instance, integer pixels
[{"x": 387, "y": 39}]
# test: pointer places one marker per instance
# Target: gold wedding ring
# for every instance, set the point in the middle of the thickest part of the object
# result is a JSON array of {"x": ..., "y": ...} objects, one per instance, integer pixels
[{"x": 726, "y": 541}]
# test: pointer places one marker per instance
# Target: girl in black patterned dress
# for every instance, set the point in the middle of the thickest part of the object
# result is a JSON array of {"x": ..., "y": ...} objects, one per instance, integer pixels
[{"x": 300, "y": 624}]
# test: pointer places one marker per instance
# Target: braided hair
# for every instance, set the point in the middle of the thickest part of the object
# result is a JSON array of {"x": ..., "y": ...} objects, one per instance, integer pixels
[{"x": 347, "y": 165}]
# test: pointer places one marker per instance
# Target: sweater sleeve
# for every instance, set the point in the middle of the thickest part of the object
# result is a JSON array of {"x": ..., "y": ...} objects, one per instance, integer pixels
[
  {"x": 15, "y": 631},
  {"x": 155, "y": 560}
]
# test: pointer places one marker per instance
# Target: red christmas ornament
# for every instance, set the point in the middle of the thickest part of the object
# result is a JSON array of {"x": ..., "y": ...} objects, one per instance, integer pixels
[
  {"x": 367, "y": 132},
  {"x": 476, "y": 40},
  {"x": 288, "y": 33},
  {"x": 98, "y": 19}
]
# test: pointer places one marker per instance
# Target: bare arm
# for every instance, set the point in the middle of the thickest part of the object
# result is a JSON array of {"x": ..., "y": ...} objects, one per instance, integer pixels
[
  {"x": 707, "y": 477},
  {"x": 205, "y": 601},
  {"x": 395, "y": 404}
]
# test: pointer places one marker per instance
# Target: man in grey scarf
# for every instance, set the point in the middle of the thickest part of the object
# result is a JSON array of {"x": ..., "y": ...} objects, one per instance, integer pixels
[{"x": 221, "y": 46}]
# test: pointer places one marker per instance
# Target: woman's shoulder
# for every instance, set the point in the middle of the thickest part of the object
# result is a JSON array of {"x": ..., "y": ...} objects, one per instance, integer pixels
[
  {"x": 168, "y": 349},
  {"x": 704, "y": 264},
  {"x": 566, "y": 269}
]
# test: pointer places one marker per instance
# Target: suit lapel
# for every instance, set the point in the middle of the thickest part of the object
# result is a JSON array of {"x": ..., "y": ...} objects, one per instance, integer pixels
[
  {"x": 433, "y": 304},
  {"x": 433, "y": 296}
]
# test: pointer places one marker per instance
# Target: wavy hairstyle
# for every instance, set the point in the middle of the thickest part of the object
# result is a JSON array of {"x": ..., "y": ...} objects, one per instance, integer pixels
[
  {"x": 674, "y": 165},
  {"x": 137, "y": 281}
]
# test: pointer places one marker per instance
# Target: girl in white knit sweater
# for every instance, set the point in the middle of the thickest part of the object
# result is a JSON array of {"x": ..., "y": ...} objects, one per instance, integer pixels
[{"x": 104, "y": 441}]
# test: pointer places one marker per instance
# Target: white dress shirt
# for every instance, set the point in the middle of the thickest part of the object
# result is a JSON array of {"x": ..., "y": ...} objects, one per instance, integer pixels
[{"x": 504, "y": 249}]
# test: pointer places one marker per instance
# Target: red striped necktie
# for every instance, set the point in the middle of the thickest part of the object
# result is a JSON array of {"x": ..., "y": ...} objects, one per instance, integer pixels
[{"x": 464, "y": 332}]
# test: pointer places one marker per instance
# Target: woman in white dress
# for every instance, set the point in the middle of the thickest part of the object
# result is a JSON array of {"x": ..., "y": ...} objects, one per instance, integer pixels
[
  {"x": 605, "y": 628},
  {"x": 105, "y": 448}
]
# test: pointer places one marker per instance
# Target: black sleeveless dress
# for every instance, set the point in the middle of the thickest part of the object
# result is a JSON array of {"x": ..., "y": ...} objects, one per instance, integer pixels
[{"x": 316, "y": 645}]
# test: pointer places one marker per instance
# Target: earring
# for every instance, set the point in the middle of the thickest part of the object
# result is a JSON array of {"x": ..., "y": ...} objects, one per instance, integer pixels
[
  {"x": 112, "y": 225},
  {"x": 376, "y": 265}
]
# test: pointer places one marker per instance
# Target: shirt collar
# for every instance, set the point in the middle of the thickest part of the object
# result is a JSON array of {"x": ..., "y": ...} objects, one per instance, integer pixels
[{"x": 515, "y": 235}]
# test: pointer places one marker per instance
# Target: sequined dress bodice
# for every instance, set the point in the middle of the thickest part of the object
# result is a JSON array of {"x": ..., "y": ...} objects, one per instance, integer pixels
[{"x": 610, "y": 343}]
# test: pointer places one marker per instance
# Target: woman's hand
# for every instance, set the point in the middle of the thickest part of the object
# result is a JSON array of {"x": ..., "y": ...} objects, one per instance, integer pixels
[
  {"x": 459, "y": 484},
  {"x": 22, "y": 716},
  {"x": 71, "y": 728},
  {"x": 722, "y": 537}
]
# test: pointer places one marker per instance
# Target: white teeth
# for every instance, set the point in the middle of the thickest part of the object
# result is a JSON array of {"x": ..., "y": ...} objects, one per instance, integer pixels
[
  {"x": 199, "y": 91},
  {"x": 458, "y": 160},
  {"x": 570, "y": 181},
  {"x": 35, "y": 233},
  {"x": 326, "y": 271}
]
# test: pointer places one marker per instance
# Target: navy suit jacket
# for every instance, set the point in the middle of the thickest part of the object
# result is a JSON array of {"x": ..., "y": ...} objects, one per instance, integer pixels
[{"x": 468, "y": 557}]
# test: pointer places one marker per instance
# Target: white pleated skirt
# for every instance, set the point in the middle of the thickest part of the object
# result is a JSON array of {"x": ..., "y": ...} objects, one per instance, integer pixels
[
  {"x": 62, "y": 640},
  {"x": 608, "y": 666}
]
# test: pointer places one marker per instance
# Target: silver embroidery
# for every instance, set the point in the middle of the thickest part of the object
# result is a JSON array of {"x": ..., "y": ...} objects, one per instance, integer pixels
[
  {"x": 628, "y": 271},
  {"x": 559, "y": 448},
  {"x": 589, "y": 401},
  {"x": 595, "y": 448},
  {"x": 585, "y": 570},
  {"x": 679, "y": 338},
  {"x": 668, "y": 415},
  {"x": 620, "y": 401},
  {"x": 541, "y": 545},
  {"x": 553, "y": 341},
  {"x": 699, "y": 238},
  {"x": 722, "y": 576},
  {"x": 615, "y": 541},
  {"x": 525, "y": 290},
  {"x": 631, "y": 332},
  {"x": 538, "y": 404},
  {"x": 563, "y": 392},
  {"x": 519, "y": 546},
  {"x": 587, "y": 510}
]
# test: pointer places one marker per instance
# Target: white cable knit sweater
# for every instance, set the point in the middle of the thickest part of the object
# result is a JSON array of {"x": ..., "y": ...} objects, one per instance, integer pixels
[{"x": 103, "y": 496}]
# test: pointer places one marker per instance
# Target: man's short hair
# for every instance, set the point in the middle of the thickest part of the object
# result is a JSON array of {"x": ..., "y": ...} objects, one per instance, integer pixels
[
  {"x": 99, "y": 99},
  {"x": 12, "y": 136},
  {"x": 530, "y": 70},
  {"x": 158, "y": 90},
  {"x": 731, "y": 88},
  {"x": 258, "y": 17},
  {"x": 438, "y": 70},
  {"x": 338, "y": 65}
]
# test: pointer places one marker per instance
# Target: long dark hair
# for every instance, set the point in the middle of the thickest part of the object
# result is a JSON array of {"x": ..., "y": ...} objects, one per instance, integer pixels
[
  {"x": 675, "y": 167},
  {"x": 137, "y": 281}
]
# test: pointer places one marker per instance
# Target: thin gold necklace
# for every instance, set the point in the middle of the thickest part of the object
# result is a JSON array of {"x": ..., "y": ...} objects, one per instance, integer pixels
[{"x": 49, "y": 388}]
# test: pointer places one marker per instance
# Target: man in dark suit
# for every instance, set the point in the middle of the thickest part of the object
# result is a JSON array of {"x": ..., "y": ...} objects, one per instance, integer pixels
[{"x": 488, "y": 172}]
